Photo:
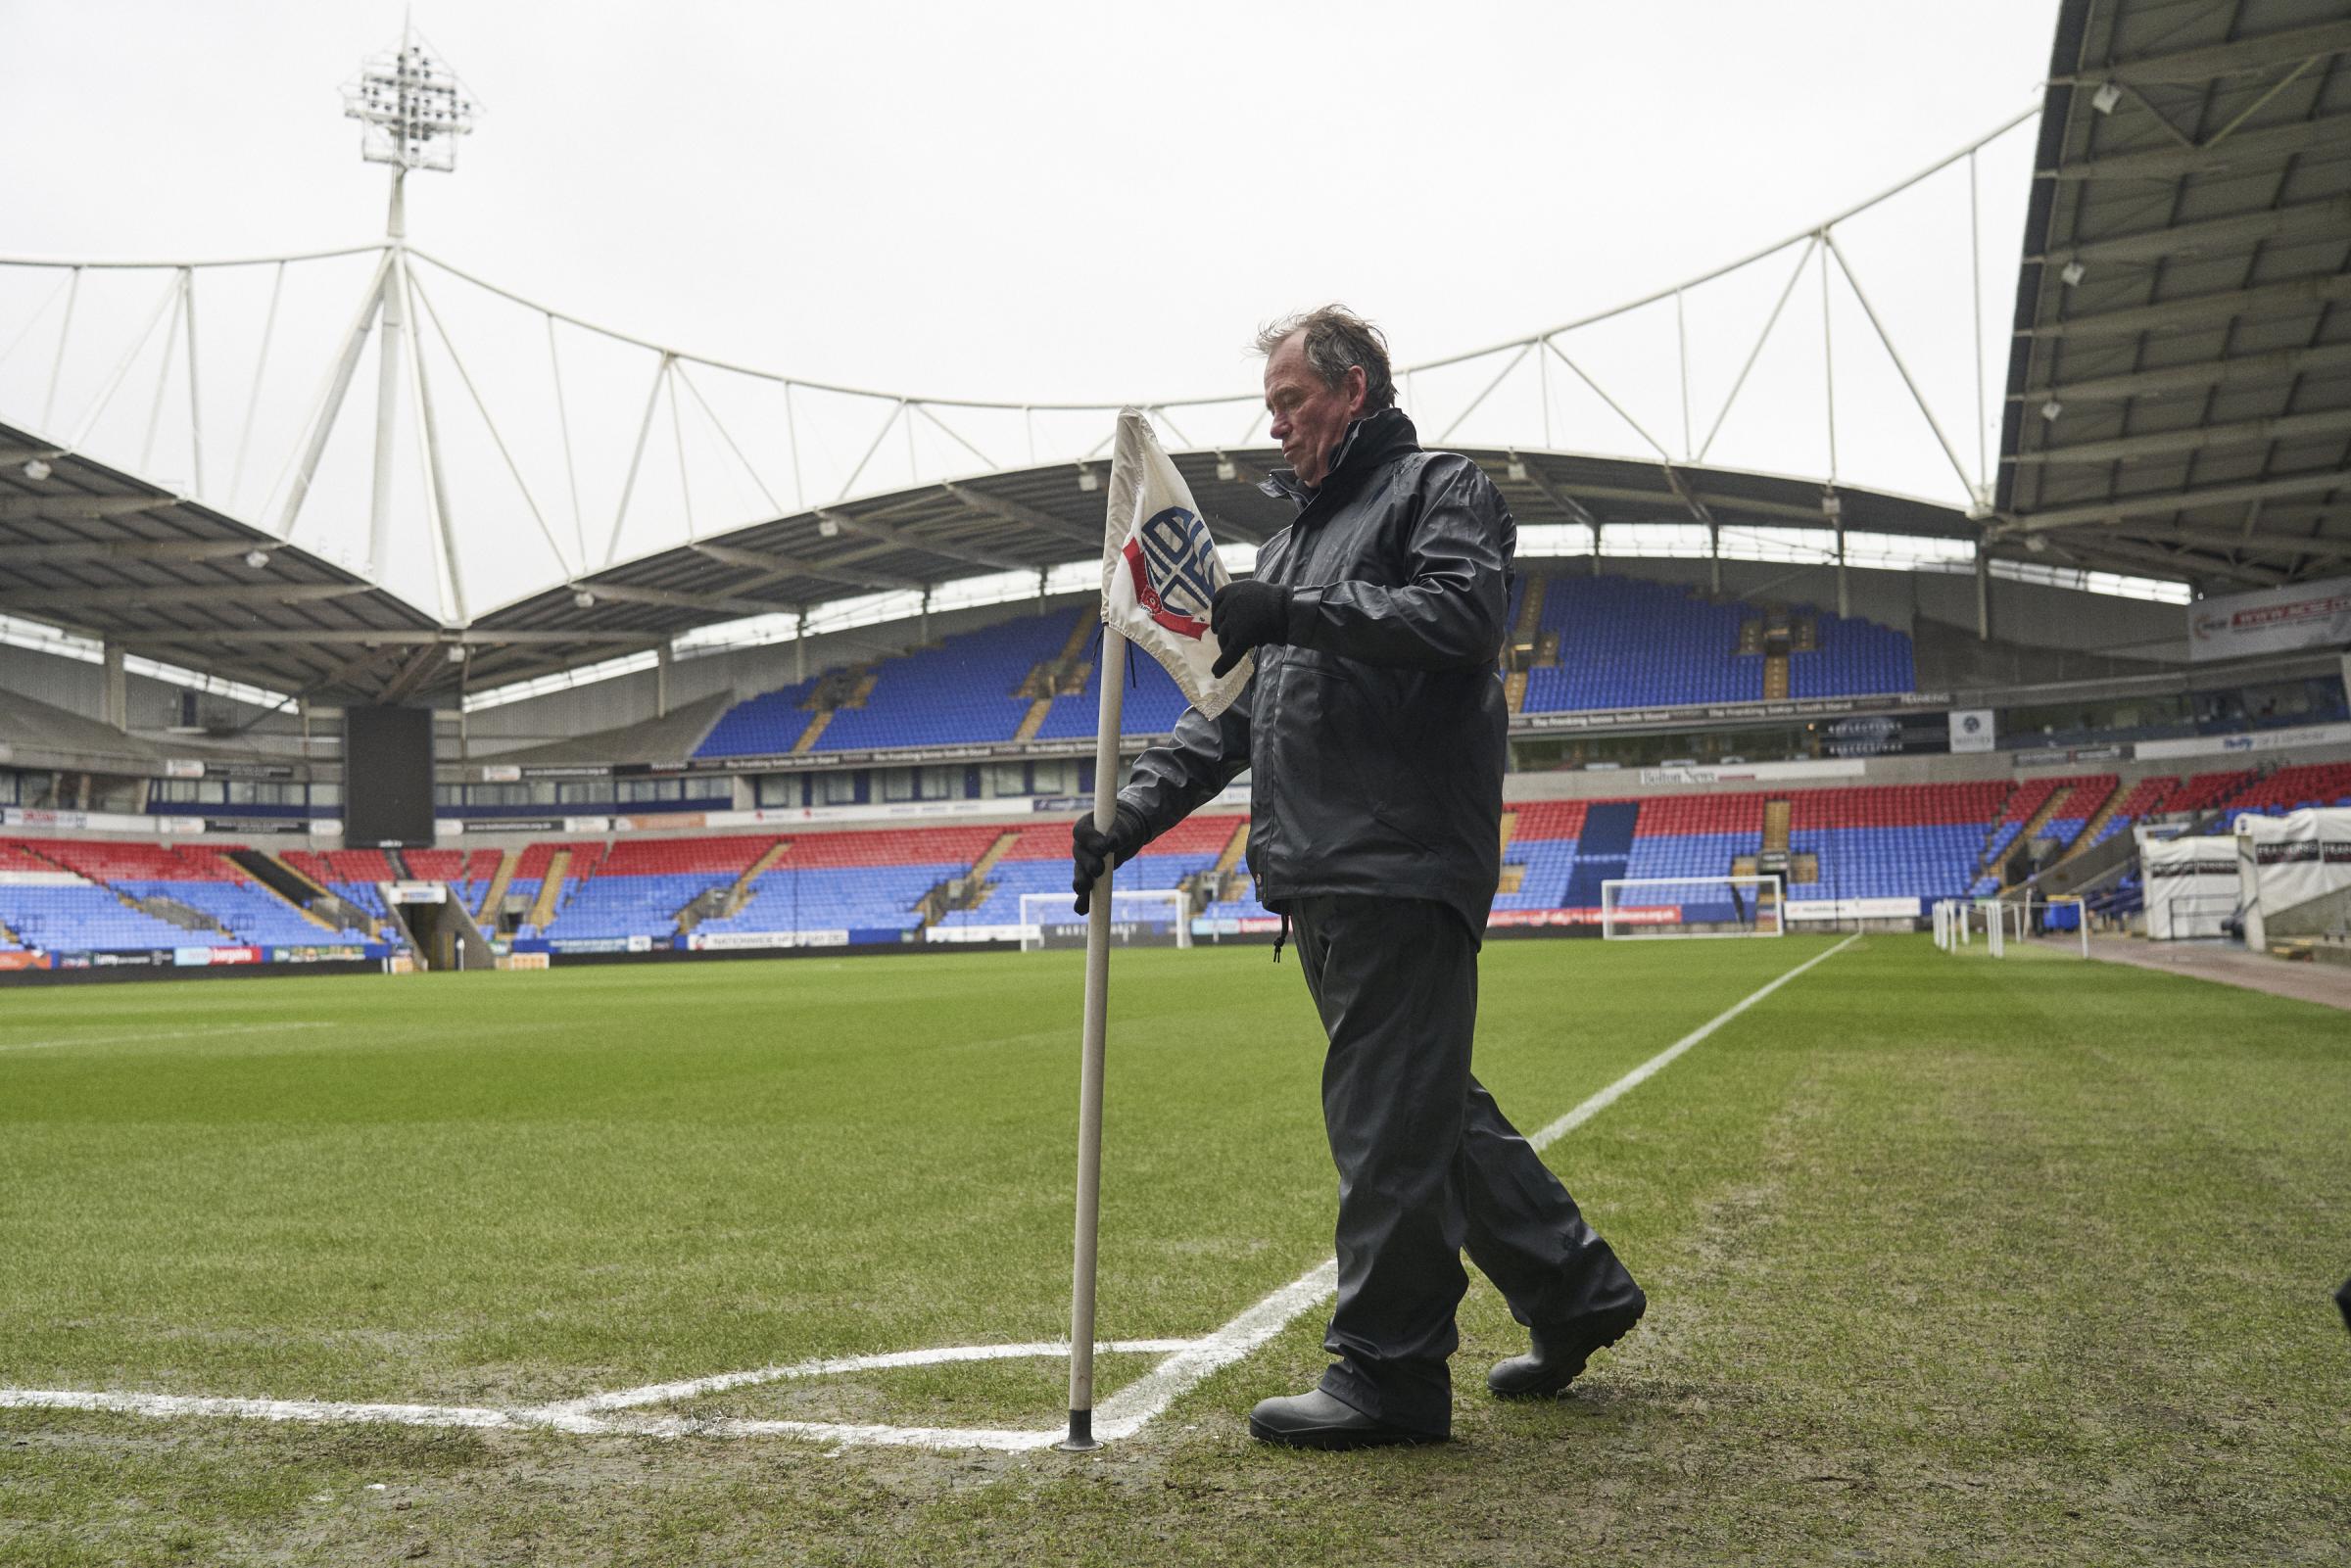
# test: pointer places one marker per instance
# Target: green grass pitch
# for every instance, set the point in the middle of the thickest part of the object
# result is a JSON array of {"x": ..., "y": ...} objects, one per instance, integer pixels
[{"x": 1951, "y": 1260}]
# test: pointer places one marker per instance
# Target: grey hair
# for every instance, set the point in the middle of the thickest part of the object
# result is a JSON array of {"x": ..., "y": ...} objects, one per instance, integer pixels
[{"x": 1337, "y": 340}]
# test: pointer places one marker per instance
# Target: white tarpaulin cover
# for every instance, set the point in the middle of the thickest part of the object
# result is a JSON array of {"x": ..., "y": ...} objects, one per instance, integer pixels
[
  {"x": 2190, "y": 885},
  {"x": 1160, "y": 569},
  {"x": 2289, "y": 860}
]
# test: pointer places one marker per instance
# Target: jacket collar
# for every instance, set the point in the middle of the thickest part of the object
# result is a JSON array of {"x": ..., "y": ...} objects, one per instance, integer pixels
[{"x": 1368, "y": 442}]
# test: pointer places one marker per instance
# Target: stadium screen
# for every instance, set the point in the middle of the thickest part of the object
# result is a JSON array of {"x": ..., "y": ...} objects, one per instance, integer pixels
[{"x": 388, "y": 776}]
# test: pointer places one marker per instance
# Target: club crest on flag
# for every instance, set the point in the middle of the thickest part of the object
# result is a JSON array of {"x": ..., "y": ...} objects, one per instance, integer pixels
[
  {"x": 1160, "y": 568},
  {"x": 1173, "y": 563}
]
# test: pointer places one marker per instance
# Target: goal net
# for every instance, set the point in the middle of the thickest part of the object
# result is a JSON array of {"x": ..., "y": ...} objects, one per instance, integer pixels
[
  {"x": 1691, "y": 906},
  {"x": 1141, "y": 917}
]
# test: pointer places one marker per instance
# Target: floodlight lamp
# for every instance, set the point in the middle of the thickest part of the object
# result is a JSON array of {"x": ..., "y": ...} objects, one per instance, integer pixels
[
  {"x": 1832, "y": 504},
  {"x": 1225, "y": 469},
  {"x": 2072, "y": 272},
  {"x": 2036, "y": 544},
  {"x": 1516, "y": 469},
  {"x": 37, "y": 469},
  {"x": 2050, "y": 410},
  {"x": 456, "y": 653},
  {"x": 584, "y": 600},
  {"x": 257, "y": 558},
  {"x": 414, "y": 109},
  {"x": 826, "y": 528},
  {"x": 1087, "y": 479},
  {"x": 2105, "y": 98}
]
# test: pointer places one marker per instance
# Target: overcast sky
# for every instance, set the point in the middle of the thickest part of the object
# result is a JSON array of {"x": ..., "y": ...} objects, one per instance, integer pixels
[{"x": 1029, "y": 201}]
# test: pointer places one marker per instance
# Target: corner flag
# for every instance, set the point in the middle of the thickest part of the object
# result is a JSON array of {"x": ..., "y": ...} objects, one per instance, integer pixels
[{"x": 1160, "y": 571}]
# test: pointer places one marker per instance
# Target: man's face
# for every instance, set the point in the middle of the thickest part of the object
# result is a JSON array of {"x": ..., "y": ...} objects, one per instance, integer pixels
[{"x": 1308, "y": 416}]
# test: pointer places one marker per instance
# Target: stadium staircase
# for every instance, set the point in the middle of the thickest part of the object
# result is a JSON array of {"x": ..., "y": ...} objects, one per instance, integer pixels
[
  {"x": 995, "y": 852},
  {"x": 297, "y": 890},
  {"x": 721, "y": 902},
  {"x": 174, "y": 912},
  {"x": 550, "y": 890},
  {"x": 2110, "y": 802},
  {"x": 1600, "y": 853},
  {"x": 497, "y": 886},
  {"x": 2032, "y": 828},
  {"x": 1526, "y": 639},
  {"x": 1993, "y": 839},
  {"x": 809, "y": 736},
  {"x": 1063, "y": 675},
  {"x": 842, "y": 688},
  {"x": 966, "y": 891},
  {"x": 1514, "y": 877}
]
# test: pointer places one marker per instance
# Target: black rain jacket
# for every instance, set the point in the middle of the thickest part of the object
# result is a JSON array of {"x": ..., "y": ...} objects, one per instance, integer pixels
[{"x": 1374, "y": 738}]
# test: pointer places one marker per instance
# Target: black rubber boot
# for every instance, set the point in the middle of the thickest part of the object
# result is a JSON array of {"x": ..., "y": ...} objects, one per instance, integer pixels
[
  {"x": 1320, "y": 1420},
  {"x": 1559, "y": 1355}
]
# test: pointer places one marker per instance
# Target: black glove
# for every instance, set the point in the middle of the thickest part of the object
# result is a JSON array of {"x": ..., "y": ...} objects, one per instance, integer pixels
[
  {"x": 1245, "y": 615},
  {"x": 1095, "y": 852}
]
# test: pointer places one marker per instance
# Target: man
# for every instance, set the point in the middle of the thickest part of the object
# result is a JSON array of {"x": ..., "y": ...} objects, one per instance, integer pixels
[{"x": 1373, "y": 732}]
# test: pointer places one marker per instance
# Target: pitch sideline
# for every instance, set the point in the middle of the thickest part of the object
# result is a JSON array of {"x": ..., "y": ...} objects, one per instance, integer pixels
[{"x": 1190, "y": 1362}]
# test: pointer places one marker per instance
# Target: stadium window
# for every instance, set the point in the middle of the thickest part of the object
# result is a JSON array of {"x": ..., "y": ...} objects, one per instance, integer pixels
[
  {"x": 164, "y": 791},
  {"x": 837, "y": 788},
  {"x": 1555, "y": 539},
  {"x": 1007, "y": 779},
  {"x": 582, "y": 791},
  {"x": 330, "y": 794},
  {"x": 2112, "y": 583},
  {"x": 1794, "y": 546},
  {"x": 943, "y": 784},
  {"x": 778, "y": 790},
  {"x": 898, "y": 784},
  {"x": 1908, "y": 553},
  {"x": 1054, "y": 778},
  {"x": 1630, "y": 539}
]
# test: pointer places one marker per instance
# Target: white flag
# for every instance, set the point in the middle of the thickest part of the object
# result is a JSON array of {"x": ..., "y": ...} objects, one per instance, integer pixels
[{"x": 1160, "y": 569}]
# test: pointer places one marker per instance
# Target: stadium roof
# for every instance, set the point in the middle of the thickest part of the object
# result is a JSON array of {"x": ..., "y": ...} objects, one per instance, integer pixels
[
  {"x": 92, "y": 549},
  {"x": 115, "y": 558},
  {"x": 1033, "y": 519},
  {"x": 2180, "y": 386}
]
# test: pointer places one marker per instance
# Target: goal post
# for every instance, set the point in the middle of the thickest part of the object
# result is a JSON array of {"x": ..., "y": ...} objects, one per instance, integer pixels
[
  {"x": 1139, "y": 917},
  {"x": 1634, "y": 907}
]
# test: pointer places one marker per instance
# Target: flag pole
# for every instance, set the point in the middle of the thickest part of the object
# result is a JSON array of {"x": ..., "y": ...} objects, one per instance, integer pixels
[{"x": 1089, "y": 1074}]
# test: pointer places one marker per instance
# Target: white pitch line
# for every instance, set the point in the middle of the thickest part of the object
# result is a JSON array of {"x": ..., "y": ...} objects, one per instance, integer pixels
[
  {"x": 170, "y": 1034},
  {"x": 831, "y": 1365},
  {"x": 1190, "y": 1362},
  {"x": 1143, "y": 1400}
]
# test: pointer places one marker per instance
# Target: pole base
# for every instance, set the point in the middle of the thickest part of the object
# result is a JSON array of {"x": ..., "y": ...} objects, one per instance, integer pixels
[{"x": 1082, "y": 1434}]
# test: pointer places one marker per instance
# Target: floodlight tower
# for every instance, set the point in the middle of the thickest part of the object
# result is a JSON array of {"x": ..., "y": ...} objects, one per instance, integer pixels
[{"x": 414, "y": 109}]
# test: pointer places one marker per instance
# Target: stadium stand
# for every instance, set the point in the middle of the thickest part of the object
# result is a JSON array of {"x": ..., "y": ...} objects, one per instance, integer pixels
[
  {"x": 1038, "y": 862},
  {"x": 1626, "y": 644},
  {"x": 765, "y": 726},
  {"x": 1543, "y": 848},
  {"x": 1892, "y": 841},
  {"x": 963, "y": 691},
  {"x": 2142, "y": 800},
  {"x": 1861, "y": 841},
  {"x": 1852, "y": 656},
  {"x": 104, "y": 896},
  {"x": 2288, "y": 789},
  {"x": 1152, "y": 704},
  {"x": 855, "y": 881},
  {"x": 1604, "y": 641}
]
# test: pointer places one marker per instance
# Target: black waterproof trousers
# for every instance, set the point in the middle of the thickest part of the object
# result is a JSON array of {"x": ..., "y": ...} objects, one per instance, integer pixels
[{"x": 1428, "y": 1165}]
